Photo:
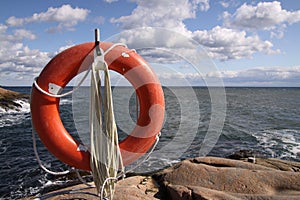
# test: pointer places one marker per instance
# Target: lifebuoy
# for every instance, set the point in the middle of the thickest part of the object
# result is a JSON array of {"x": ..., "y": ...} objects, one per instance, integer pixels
[{"x": 65, "y": 66}]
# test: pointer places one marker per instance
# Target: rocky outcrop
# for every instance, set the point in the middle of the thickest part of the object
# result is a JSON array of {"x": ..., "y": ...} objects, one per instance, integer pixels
[
  {"x": 8, "y": 99},
  {"x": 219, "y": 178},
  {"x": 136, "y": 188},
  {"x": 204, "y": 178}
]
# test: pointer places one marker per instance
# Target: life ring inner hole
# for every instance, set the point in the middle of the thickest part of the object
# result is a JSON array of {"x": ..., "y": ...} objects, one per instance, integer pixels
[{"x": 125, "y": 104}]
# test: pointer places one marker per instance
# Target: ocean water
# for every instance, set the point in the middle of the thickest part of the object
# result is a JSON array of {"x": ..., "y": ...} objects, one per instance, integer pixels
[{"x": 266, "y": 120}]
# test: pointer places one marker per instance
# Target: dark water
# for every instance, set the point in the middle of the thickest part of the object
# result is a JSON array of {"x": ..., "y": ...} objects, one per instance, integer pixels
[{"x": 261, "y": 119}]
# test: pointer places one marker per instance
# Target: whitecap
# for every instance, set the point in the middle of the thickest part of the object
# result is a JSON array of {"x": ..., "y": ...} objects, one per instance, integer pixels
[
  {"x": 65, "y": 101},
  {"x": 15, "y": 116},
  {"x": 24, "y": 107},
  {"x": 283, "y": 143}
]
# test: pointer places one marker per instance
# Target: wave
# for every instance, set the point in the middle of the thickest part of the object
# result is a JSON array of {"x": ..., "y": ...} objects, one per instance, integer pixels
[
  {"x": 43, "y": 184},
  {"x": 16, "y": 115},
  {"x": 65, "y": 101},
  {"x": 283, "y": 143},
  {"x": 23, "y": 107}
]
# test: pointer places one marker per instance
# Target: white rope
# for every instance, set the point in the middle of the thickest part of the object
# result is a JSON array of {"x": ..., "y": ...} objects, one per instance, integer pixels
[
  {"x": 123, "y": 173},
  {"x": 80, "y": 82},
  {"x": 114, "y": 154},
  {"x": 33, "y": 135},
  {"x": 40, "y": 162},
  {"x": 82, "y": 180},
  {"x": 104, "y": 184},
  {"x": 146, "y": 157},
  {"x": 113, "y": 46},
  {"x": 65, "y": 94},
  {"x": 105, "y": 153},
  {"x": 59, "y": 96}
]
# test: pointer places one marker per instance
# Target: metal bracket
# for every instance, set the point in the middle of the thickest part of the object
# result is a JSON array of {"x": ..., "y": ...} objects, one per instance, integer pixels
[
  {"x": 99, "y": 62},
  {"x": 97, "y": 42}
]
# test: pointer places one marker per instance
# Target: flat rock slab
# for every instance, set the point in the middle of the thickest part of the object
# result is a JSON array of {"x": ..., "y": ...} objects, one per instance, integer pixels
[{"x": 219, "y": 178}]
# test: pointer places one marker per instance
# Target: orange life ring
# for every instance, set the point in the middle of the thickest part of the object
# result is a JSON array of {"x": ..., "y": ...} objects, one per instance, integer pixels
[{"x": 65, "y": 66}]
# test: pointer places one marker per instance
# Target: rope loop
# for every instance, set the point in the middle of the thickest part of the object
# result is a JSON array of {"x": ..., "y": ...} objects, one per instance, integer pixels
[
  {"x": 83, "y": 78},
  {"x": 40, "y": 162},
  {"x": 106, "y": 182}
]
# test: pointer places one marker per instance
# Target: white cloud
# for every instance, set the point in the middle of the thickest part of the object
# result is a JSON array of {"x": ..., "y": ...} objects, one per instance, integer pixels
[
  {"x": 263, "y": 16},
  {"x": 224, "y": 43},
  {"x": 13, "y": 21},
  {"x": 172, "y": 33},
  {"x": 262, "y": 76},
  {"x": 66, "y": 17},
  {"x": 225, "y": 4},
  {"x": 23, "y": 33},
  {"x": 158, "y": 13},
  {"x": 166, "y": 44},
  {"x": 19, "y": 34},
  {"x": 17, "y": 61},
  {"x": 155, "y": 37},
  {"x": 64, "y": 48},
  {"x": 202, "y": 5},
  {"x": 229, "y": 3}
]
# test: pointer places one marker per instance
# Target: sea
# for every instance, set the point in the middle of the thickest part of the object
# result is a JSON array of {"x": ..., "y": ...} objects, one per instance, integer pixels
[{"x": 198, "y": 122}]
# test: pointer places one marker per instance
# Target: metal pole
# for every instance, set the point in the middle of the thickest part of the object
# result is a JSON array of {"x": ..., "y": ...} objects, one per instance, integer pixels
[{"x": 97, "y": 36}]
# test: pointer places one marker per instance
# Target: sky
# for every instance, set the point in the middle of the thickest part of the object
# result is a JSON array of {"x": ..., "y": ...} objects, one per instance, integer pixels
[{"x": 243, "y": 43}]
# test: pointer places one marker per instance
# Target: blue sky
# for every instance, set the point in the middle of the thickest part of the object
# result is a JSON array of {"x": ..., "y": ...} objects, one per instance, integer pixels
[{"x": 251, "y": 43}]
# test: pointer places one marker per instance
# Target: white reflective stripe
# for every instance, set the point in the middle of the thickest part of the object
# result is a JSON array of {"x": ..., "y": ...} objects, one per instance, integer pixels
[
  {"x": 54, "y": 89},
  {"x": 125, "y": 55}
]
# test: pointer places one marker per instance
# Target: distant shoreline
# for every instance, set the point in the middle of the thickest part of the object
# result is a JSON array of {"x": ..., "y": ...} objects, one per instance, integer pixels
[{"x": 8, "y": 98}]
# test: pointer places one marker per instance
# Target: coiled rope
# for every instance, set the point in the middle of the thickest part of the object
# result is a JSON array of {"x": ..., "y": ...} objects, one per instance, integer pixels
[{"x": 105, "y": 152}]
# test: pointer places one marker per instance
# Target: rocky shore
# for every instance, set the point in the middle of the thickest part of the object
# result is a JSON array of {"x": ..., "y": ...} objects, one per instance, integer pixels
[
  {"x": 203, "y": 178},
  {"x": 246, "y": 175},
  {"x": 8, "y": 99}
]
